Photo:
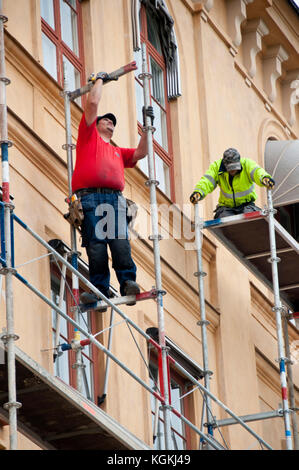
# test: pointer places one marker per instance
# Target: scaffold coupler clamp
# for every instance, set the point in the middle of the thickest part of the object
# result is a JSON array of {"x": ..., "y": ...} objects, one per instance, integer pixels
[
  {"x": 5, "y": 270},
  {"x": 282, "y": 359},
  {"x": 200, "y": 274},
  {"x": 282, "y": 309},
  {"x": 5, "y": 337},
  {"x": 3, "y": 18}
]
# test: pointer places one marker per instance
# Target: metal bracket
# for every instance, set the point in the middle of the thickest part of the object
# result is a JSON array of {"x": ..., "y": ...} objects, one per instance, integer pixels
[
  {"x": 155, "y": 237},
  {"x": 3, "y": 18},
  {"x": 278, "y": 309},
  {"x": 149, "y": 182},
  {"x": 8, "y": 142},
  {"x": 203, "y": 322},
  {"x": 4, "y": 271},
  {"x": 10, "y": 205},
  {"x": 160, "y": 292},
  {"x": 68, "y": 146},
  {"x": 199, "y": 273},
  {"x": 285, "y": 359},
  {"x": 144, "y": 75},
  {"x": 5, "y": 80},
  {"x": 6, "y": 337},
  {"x": 12, "y": 404},
  {"x": 272, "y": 260},
  {"x": 148, "y": 128},
  {"x": 78, "y": 365}
]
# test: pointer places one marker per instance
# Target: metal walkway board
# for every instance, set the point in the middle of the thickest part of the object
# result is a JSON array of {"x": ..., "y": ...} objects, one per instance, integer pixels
[
  {"x": 247, "y": 237},
  {"x": 56, "y": 417}
]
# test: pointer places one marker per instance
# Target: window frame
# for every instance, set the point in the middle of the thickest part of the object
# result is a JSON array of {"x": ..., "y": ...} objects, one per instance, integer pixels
[
  {"x": 69, "y": 304},
  {"x": 184, "y": 384},
  {"x": 62, "y": 49},
  {"x": 166, "y": 156}
]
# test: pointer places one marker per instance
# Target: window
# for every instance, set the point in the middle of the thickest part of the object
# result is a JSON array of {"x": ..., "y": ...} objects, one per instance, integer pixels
[
  {"x": 163, "y": 159},
  {"x": 178, "y": 428},
  {"x": 62, "y": 40},
  {"x": 63, "y": 332}
]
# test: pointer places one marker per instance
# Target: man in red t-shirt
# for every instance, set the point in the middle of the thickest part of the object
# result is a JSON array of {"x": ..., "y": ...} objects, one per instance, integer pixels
[{"x": 98, "y": 179}]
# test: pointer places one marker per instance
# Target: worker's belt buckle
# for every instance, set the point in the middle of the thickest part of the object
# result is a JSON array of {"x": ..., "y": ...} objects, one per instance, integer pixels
[{"x": 85, "y": 191}]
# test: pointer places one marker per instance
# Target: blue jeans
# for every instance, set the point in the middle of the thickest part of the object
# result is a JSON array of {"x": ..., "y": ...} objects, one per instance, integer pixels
[{"x": 105, "y": 223}]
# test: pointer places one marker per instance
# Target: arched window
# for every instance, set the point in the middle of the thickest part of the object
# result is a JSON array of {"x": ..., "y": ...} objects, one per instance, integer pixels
[{"x": 156, "y": 31}]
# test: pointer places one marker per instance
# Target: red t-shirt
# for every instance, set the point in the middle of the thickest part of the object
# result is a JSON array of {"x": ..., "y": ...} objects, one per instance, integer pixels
[{"x": 99, "y": 164}]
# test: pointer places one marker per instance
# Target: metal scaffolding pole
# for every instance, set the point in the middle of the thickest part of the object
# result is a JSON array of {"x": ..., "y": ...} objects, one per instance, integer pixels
[
  {"x": 155, "y": 237},
  {"x": 290, "y": 381},
  {"x": 9, "y": 337},
  {"x": 69, "y": 146},
  {"x": 278, "y": 309},
  {"x": 200, "y": 274}
]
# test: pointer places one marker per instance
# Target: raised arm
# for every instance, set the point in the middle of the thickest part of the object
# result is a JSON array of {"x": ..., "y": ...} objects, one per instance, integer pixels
[{"x": 92, "y": 102}]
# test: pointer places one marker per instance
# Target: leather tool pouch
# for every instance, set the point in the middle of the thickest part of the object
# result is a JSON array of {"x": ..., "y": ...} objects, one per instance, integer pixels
[
  {"x": 75, "y": 215},
  {"x": 132, "y": 210}
]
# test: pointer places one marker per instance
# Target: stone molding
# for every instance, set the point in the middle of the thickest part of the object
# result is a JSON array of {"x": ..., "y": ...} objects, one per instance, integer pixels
[
  {"x": 290, "y": 95},
  {"x": 253, "y": 32},
  {"x": 272, "y": 69},
  {"x": 236, "y": 14}
]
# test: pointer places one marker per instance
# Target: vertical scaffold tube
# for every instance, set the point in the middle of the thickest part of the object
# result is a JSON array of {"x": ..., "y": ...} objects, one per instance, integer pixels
[
  {"x": 278, "y": 310},
  {"x": 203, "y": 322},
  {"x": 74, "y": 256},
  {"x": 291, "y": 386},
  {"x": 9, "y": 337},
  {"x": 145, "y": 76}
]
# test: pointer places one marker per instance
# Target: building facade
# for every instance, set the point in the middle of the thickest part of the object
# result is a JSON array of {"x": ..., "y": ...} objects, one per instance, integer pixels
[{"x": 225, "y": 73}]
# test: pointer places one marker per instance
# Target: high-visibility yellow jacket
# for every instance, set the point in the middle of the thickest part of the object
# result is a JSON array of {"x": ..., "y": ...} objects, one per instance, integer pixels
[{"x": 240, "y": 191}]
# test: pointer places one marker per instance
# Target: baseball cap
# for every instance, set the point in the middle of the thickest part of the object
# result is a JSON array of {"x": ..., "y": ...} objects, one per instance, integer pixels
[
  {"x": 231, "y": 160},
  {"x": 109, "y": 116}
]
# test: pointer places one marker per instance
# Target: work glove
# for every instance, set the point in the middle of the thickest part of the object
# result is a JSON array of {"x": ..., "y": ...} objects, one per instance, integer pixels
[
  {"x": 149, "y": 111},
  {"x": 268, "y": 182},
  {"x": 195, "y": 197}
]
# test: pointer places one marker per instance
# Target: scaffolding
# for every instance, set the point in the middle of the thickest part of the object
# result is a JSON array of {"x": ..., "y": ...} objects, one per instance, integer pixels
[{"x": 8, "y": 218}]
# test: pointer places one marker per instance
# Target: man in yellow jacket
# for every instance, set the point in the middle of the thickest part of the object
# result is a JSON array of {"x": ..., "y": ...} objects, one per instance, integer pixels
[{"x": 236, "y": 178}]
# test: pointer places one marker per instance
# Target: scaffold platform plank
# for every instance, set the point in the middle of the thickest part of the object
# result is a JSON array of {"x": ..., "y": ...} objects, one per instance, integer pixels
[
  {"x": 247, "y": 237},
  {"x": 57, "y": 417}
]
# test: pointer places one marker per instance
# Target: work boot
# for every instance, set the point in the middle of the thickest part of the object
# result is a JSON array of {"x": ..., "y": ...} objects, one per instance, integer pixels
[
  {"x": 131, "y": 288},
  {"x": 91, "y": 298}
]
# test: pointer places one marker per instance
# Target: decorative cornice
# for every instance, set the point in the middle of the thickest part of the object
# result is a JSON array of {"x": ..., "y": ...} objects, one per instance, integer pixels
[
  {"x": 253, "y": 32},
  {"x": 281, "y": 121},
  {"x": 236, "y": 14},
  {"x": 272, "y": 67},
  {"x": 290, "y": 95}
]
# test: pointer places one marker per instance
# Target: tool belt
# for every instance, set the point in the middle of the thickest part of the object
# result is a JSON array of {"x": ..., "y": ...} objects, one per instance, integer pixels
[
  {"x": 132, "y": 210},
  {"x": 75, "y": 215}
]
